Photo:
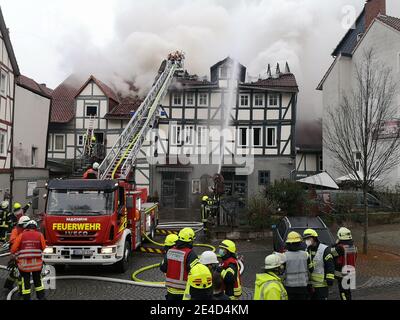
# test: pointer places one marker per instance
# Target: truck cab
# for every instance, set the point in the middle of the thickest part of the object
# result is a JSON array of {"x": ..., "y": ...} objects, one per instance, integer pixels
[{"x": 95, "y": 222}]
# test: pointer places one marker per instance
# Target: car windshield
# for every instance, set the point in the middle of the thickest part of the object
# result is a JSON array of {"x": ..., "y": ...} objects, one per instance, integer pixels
[
  {"x": 324, "y": 235},
  {"x": 80, "y": 203}
]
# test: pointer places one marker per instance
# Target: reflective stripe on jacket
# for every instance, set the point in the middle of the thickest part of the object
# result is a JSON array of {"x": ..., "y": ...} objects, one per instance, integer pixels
[
  {"x": 237, "y": 287},
  {"x": 296, "y": 274},
  {"x": 177, "y": 274},
  {"x": 28, "y": 248},
  {"x": 268, "y": 286},
  {"x": 318, "y": 275}
]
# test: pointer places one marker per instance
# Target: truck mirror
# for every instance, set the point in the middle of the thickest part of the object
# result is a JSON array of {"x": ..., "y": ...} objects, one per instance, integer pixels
[
  {"x": 35, "y": 199},
  {"x": 129, "y": 203}
]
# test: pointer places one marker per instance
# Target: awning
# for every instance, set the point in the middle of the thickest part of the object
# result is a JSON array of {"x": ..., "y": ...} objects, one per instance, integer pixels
[
  {"x": 353, "y": 177},
  {"x": 321, "y": 179}
]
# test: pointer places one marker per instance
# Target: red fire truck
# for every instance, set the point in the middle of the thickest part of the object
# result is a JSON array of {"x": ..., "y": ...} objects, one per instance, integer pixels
[{"x": 101, "y": 221}]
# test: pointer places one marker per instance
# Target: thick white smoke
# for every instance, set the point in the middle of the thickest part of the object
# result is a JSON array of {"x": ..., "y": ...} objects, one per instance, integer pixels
[{"x": 301, "y": 32}]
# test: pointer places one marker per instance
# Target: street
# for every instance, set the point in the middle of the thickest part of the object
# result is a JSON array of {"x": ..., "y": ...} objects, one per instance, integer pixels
[{"x": 378, "y": 275}]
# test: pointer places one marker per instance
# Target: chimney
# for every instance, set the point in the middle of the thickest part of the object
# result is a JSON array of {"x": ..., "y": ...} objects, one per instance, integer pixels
[{"x": 372, "y": 9}]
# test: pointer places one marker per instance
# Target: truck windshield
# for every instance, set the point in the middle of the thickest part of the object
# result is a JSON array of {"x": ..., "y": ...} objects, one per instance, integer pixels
[{"x": 80, "y": 203}]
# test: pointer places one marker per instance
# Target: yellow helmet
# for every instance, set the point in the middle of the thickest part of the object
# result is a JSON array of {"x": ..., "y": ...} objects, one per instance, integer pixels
[
  {"x": 186, "y": 235},
  {"x": 228, "y": 245},
  {"x": 310, "y": 233},
  {"x": 344, "y": 234},
  {"x": 205, "y": 198},
  {"x": 17, "y": 206},
  {"x": 93, "y": 138},
  {"x": 293, "y": 237},
  {"x": 170, "y": 240},
  {"x": 200, "y": 277}
]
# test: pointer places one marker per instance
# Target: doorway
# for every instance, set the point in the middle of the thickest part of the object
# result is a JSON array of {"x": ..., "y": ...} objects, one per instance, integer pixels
[{"x": 175, "y": 190}]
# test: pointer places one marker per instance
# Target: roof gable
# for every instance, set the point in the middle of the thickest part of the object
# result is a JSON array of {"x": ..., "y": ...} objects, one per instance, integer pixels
[
  {"x": 108, "y": 92},
  {"x": 8, "y": 44}
]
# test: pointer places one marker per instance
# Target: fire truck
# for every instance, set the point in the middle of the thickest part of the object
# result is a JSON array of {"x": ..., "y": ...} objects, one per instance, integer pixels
[{"x": 101, "y": 221}]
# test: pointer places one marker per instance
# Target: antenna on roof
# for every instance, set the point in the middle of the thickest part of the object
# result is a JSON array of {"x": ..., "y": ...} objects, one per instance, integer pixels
[
  {"x": 269, "y": 74},
  {"x": 287, "y": 69}
]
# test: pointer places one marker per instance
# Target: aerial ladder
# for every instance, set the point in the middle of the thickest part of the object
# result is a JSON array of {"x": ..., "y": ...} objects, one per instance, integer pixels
[{"x": 119, "y": 162}]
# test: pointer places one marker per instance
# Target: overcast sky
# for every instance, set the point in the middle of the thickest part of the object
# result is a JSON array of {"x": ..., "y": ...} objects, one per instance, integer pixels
[{"x": 120, "y": 40}]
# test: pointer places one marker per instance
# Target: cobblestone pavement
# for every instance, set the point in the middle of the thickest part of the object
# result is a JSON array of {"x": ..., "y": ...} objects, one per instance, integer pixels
[{"x": 378, "y": 275}]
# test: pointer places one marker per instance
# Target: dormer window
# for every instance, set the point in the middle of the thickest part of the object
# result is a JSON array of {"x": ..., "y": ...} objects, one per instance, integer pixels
[{"x": 359, "y": 36}]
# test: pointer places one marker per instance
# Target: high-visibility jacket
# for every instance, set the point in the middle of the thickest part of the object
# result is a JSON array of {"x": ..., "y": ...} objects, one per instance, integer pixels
[
  {"x": 231, "y": 266},
  {"x": 345, "y": 255},
  {"x": 28, "y": 248},
  {"x": 16, "y": 231},
  {"x": 90, "y": 174},
  {"x": 268, "y": 286},
  {"x": 323, "y": 266},
  {"x": 296, "y": 273},
  {"x": 5, "y": 219},
  {"x": 177, "y": 273}
]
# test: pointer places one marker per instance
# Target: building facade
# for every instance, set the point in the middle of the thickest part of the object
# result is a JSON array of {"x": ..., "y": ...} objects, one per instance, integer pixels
[
  {"x": 258, "y": 123},
  {"x": 373, "y": 30}
]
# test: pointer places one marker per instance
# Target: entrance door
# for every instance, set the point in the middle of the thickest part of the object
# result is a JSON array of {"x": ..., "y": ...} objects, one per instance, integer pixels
[{"x": 181, "y": 194}]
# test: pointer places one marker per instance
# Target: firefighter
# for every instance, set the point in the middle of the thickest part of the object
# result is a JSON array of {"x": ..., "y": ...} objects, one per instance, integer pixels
[
  {"x": 169, "y": 242},
  {"x": 344, "y": 253},
  {"x": 297, "y": 267},
  {"x": 268, "y": 285},
  {"x": 13, "y": 275},
  {"x": 229, "y": 269},
  {"x": 92, "y": 171},
  {"x": 19, "y": 211},
  {"x": 28, "y": 248},
  {"x": 209, "y": 259},
  {"x": 5, "y": 220},
  {"x": 199, "y": 284},
  {"x": 177, "y": 264},
  {"x": 322, "y": 276},
  {"x": 204, "y": 211}
]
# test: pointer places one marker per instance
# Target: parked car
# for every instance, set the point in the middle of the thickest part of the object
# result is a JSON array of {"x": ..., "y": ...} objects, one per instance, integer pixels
[
  {"x": 328, "y": 199},
  {"x": 299, "y": 224}
]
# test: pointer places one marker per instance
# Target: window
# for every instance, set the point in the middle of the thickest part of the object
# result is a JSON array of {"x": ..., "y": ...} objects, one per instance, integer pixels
[
  {"x": 224, "y": 72},
  {"x": 91, "y": 111},
  {"x": 271, "y": 137},
  {"x": 190, "y": 99},
  {"x": 177, "y": 99},
  {"x": 81, "y": 140},
  {"x": 3, "y": 82},
  {"x": 189, "y": 135},
  {"x": 176, "y": 135},
  {"x": 357, "y": 160},
  {"x": 273, "y": 100},
  {"x": 196, "y": 186},
  {"x": 264, "y": 178},
  {"x": 201, "y": 135},
  {"x": 244, "y": 100},
  {"x": 257, "y": 137},
  {"x": 243, "y": 137},
  {"x": 259, "y": 100},
  {"x": 3, "y": 145},
  {"x": 320, "y": 164},
  {"x": 59, "y": 142},
  {"x": 33, "y": 156},
  {"x": 203, "y": 99}
]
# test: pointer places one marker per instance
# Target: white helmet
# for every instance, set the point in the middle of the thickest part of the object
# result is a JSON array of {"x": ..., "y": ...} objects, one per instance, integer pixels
[
  {"x": 344, "y": 234},
  {"x": 5, "y": 204},
  {"x": 273, "y": 261},
  {"x": 23, "y": 221},
  {"x": 208, "y": 257},
  {"x": 96, "y": 166},
  {"x": 31, "y": 223}
]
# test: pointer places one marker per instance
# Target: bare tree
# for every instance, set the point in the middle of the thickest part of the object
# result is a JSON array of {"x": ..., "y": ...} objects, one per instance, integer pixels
[{"x": 358, "y": 127}]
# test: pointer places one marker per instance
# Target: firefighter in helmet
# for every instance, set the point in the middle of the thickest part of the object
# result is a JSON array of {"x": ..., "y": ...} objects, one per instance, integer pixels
[
  {"x": 229, "y": 269},
  {"x": 177, "y": 264},
  {"x": 199, "y": 284},
  {"x": 5, "y": 219},
  {"x": 344, "y": 253}
]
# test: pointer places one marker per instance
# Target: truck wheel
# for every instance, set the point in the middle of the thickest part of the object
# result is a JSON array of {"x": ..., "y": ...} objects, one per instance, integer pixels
[
  {"x": 152, "y": 232},
  {"x": 123, "y": 265}
]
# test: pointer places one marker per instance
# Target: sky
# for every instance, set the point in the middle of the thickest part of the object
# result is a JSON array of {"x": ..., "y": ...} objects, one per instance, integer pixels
[{"x": 120, "y": 40}]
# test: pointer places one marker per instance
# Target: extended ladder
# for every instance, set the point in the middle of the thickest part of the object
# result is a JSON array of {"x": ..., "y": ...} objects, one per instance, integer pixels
[{"x": 121, "y": 158}]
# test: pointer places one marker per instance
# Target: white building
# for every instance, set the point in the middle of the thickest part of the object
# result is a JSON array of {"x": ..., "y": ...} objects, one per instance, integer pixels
[{"x": 373, "y": 29}]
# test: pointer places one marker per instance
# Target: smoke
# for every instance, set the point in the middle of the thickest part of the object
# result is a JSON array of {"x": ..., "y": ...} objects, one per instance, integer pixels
[{"x": 255, "y": 32}]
